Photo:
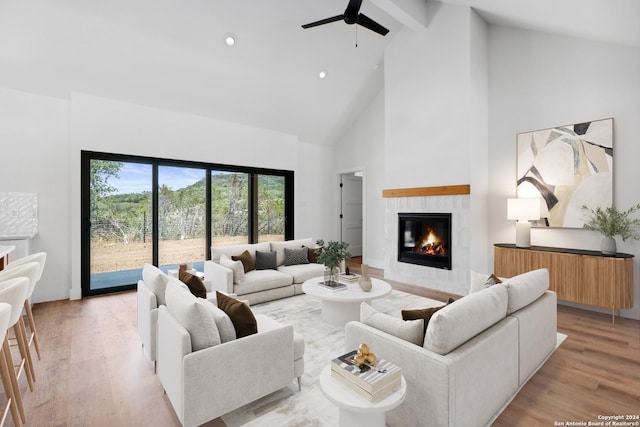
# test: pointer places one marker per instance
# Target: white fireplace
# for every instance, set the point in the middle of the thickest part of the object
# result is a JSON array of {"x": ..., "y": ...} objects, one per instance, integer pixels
[{"x": 455, "y": 280}]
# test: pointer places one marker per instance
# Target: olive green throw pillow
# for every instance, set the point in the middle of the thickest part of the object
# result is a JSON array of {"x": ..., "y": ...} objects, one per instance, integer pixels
[
  {"x": 241, "y": 316},
  {"x": 194, "y": 283}
]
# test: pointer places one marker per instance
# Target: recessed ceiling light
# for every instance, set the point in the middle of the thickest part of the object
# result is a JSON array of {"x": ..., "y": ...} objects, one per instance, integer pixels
[
  {"x": 322, "y": 75},
  {"x": 230, "y": 39}
]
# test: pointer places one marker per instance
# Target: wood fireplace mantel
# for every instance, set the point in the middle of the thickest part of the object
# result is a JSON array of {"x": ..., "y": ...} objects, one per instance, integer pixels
[{"x": 446, "y": 190}]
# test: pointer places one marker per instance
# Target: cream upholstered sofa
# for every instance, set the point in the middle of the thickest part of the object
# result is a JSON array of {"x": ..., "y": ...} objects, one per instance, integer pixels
[
  {"x": 476, "y": 355},
  {"x": 258, "y": 286},
  {"x": 206, "y": 371}
]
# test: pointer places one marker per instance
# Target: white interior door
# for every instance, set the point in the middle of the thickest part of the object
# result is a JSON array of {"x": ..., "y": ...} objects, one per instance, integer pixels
[{"x": 351, "y": 212}]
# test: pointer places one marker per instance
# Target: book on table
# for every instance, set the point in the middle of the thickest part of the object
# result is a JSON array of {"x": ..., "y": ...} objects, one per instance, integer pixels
[
  {"x": 349, "y": 278},
  {"x": 371, "y": 397},
  {"x": 333, "y": 286},
  {"x": 384, "y": 376}
]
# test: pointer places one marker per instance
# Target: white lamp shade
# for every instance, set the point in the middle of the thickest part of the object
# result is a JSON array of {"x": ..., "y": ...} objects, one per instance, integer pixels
[{"x": 523, "y": 209}]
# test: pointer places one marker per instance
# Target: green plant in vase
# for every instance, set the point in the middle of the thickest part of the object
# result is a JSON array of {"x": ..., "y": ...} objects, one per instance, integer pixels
[
  {"x": 611, "y": 222},
  {"x": 331, "y": 255}
]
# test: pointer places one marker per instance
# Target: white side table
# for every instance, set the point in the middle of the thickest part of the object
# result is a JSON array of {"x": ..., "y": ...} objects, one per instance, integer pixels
[{"x": 355, "y": 410}]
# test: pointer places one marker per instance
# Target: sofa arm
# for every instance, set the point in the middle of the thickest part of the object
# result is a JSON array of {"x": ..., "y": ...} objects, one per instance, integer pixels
[
  {"x": 174, "y": 342},
  {"x": 147, "y": 305},
  {"x": 221, "y": 277},
  {"x": 256, "y": 365}
]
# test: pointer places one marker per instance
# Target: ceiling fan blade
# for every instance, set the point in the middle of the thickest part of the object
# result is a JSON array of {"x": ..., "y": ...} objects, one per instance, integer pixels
[
  {"x": 324, "y": 21},
  {"x": 372, "y": 25}
]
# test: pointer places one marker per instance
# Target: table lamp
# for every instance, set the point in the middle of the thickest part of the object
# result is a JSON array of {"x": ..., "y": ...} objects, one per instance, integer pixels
[{"x": 523, "y": 210}]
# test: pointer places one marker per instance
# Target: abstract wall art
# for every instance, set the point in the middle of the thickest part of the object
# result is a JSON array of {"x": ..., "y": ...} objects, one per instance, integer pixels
[{"x": 568, "y": 167}]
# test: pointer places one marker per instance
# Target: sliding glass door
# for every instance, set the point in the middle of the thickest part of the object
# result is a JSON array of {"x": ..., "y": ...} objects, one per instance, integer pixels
[
  {"x": 181, "y": 215},
  {"x": 119, "y": 223},
  {"x": 138, "y": 210}
]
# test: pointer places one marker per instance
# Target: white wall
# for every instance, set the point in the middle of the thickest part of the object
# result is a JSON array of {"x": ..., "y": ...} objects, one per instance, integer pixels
[
  {"x": 427, "y": 102},
  {"x": 34, "y": 158},
  {"x": 100, "y": 124},
  {"x": 362, "y": 148},
  {"x": 436, "y": 123},
  {"x": 539, "y": 81},
  {"x": 41, "y": 142}
]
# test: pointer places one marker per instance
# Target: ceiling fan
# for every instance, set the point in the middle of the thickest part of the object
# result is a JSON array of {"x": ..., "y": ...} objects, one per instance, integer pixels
[{"x": 352, "y": 16}]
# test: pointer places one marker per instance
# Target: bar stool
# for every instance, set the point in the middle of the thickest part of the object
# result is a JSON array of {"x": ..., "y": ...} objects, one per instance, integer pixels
[
  {"x": 5, "y": 314},
  {"x": 13, "y": 292},
  {"x": 30, "y": 271},
  {"x": 40, "y": 258}
]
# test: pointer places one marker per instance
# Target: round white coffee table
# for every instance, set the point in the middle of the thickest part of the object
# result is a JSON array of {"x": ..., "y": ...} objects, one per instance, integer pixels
[
  {"x": 340, "y": 307},
  {"x": 355, "y": 410}
]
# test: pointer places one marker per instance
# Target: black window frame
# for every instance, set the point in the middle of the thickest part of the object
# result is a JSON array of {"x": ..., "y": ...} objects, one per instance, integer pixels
[{"x": 253, "y": 172}]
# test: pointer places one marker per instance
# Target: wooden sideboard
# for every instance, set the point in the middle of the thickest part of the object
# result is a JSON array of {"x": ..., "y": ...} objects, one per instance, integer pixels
[{"x": 583, "y": 277}]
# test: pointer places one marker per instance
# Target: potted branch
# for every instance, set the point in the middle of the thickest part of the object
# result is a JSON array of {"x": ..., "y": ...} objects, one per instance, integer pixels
[
  {"x": 611, "y": 222},
  {"x": 331, "y": 255}
]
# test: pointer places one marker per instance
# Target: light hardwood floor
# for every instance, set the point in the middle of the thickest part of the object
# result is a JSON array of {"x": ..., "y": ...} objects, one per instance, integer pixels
[{"x": 93, "y": 371}]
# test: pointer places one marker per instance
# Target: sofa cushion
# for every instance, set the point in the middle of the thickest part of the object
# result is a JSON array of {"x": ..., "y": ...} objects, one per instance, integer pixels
[
  {"x": 262, "y": 280},
  {"x": 302, "y": 272},
  {"x": 156, "y": 281},
  {"x": 296, "y": 256},
  {"x": 266, "y": 260},
  {"x": 457, "y": 323},
  {"x": 246, "y": 259},
  {"x": 244, "y": 322},
  {"x": 230, "y": 250},
  {"x": 223, "y": 322},
  {"x": 408, "y": 330},
  {"x": 194, "y": 316},
  {"x": 235, "y": 266},
  {"x": 526, "y": 288},
  {"x": 278, "y": 247},
  {"x": 481, "y": 281},
  {"x": 194, "y": 283}
]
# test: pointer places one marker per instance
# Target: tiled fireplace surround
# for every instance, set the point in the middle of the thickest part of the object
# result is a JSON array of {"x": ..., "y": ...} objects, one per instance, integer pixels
[{"x": 455, "y": 280}]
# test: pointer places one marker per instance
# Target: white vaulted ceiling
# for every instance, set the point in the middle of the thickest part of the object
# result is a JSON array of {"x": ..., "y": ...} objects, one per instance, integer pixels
[{"x": 170, "y": 53}]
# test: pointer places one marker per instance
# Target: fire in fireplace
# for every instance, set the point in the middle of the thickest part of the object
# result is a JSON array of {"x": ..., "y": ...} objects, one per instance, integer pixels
[{"x": 425, "y": 239}]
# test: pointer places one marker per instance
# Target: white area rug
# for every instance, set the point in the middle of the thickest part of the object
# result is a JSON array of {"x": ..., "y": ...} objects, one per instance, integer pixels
[{"x": 289, "y": 407}]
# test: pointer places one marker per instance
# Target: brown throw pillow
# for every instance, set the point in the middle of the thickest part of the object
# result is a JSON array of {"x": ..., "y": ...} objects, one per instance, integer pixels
[
  {"x": 195, "y": 284},
  {"x": 424, "y": 314},
  {"x": 247, "y": 261},
  {"x": 312, "y": 256},
  {"x": 491, "y": 280},
  {"x": 241, "y": 316}
]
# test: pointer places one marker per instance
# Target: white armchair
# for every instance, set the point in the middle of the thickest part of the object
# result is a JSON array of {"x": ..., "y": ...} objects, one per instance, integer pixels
[
  {"x": 150, "y": 296},
  {"x": 205, "y": 384}
]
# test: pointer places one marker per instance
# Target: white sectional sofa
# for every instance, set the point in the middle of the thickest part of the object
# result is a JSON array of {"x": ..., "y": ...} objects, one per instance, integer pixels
[
  {"x": 476, "y": 355},
  {"x": 258, "y": 286}
]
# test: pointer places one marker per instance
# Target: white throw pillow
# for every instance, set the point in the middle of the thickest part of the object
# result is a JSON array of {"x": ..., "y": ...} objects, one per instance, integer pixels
[
  {"x": 525, "y": 288},
  {"x": 156, "y": 281},
  {"x": 223, "y": 321},
  {"x": 194, "y": 316},
  {"x": 479, "y": 280},
  {"x": 408, "y": 330},
  {"x": 235, "y": 266}
]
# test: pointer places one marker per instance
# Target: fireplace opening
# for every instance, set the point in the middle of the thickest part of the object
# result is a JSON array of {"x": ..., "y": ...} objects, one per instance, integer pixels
[{"x": 425, "y": 239}]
